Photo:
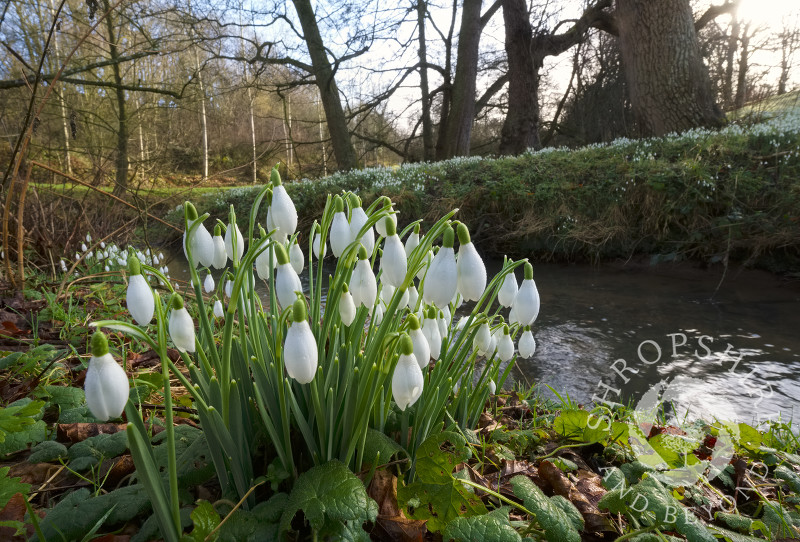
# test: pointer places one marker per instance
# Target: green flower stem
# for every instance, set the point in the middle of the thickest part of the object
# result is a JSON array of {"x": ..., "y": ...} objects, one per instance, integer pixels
[{"x": 503, "y": 498}]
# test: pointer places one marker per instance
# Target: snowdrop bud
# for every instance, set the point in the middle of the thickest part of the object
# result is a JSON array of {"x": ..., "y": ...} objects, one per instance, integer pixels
[
  {"x": 430, "y": 328},
  {"x": 284, "y": 214},
  {"x": 106, "y": 269},
  {"x": 483, "y": 339},
  {"x": 208, "y": 284},
  {"x": 412, "y": 241},
  {"x": 300, "y": 348},
  {"x": 139, "y": 297},
  {"x": 407, "y": 380},
  {"x": 228, "y": 288},
  {"x": 442, "y": 276},
  {"x": 181, "y": 327},
  {"x": 102, "y": 244},
  {"x": 84, "y": 248},
  {"x": 220, "y": 255},
  {"x": 287, "y": 283},
  {"x": 393, "y": 261},
  {"x": 229, "y": 243},
  {"x": 317, "y": 239},
  {"x": 106, "y": 385},
  {"x": 526, "y": 302},
  {"x": 89, "y": 255},
  {"x": 492, "y": 387},
  {"x": 413, "y": 297},
  {"x": 442, "y": 324},
  {"x": 347, "y": 308},
  {"x": 202, "y": 244},
  {"x": 296, "y": 257},
  {"x": 505, "y": 346},
  {"x": 377, "y": 316},
  {"x": 508, "y": 290},
  {"x": 422, "y": 350},
  {"x": 218, "y": 310},
  {"x": 63, "y": 266},
  {"x": 363, "y": 285},
  {"x": 527, "y": 344},
  {"x": 88, "y": 238},
  {"x": 340, "y": 228},
  {"x": 470, "y": 268},
  {"x": 358, "y": 219}
]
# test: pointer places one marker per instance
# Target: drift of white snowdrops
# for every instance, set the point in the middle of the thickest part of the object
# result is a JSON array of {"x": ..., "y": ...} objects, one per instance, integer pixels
[{"x": 333, "y": 367}]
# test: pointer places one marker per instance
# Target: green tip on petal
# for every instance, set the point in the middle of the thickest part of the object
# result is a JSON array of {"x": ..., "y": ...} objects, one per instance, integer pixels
[
  {"x": 391, "y": 229},
  {"x": 353, "y": 200},
  {"x": 345, "y": 289},
  {"x": 385, "y": 201},
  {"x": 299, "y": 310},
  {"x": 413, "y": 321},
  {"x": 176, "y": 302},
  {"x": 338, "y": 204},
  {"x": 191, "y": 212},
  {"x": 528, "y": 271},
  {"x": 280, "y": 254},
  {"x": 99, "y": 344},
  {"x": 217, "y": 230},
  {"x": 134, "y": 266},
  {"x": 527, "y": 328},
  {"x": 431, "y": 313},
  {"x": 275, "y": 176},
  {"x": 506, "y": 331},
  {"x": 416, "y": 228},
  {"x": 362, "y": 252},
  {"x": 268, "y": 196},
  {"x": 448, "y": 238},
  {"x": 463, "y": 234},
  {"x": 262, "y": 231},
  {"x": 406, "y": 345}
]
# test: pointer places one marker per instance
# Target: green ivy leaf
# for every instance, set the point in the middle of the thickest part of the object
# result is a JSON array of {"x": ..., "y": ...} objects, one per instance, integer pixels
[
  {"x": 205, "y": 520},
  {"x": 579, "y": 425},
  {"x": 491, "y": 527},
  {"x": 330, "y": 495},
  {"x": 556, "y": 524},
  {"x": 10, "y": 487},
  {"x": 19, "y": 414},
  {"x": 436, "y": 495}
]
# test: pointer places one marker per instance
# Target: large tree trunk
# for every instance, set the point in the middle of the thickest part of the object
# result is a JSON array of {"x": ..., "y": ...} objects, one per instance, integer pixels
[
  {"x": 329, "y": 92},
  {"x": 669, "y": 86},
  {"x": 121, "y": 181},
  {"x": 730, "y": 53},
  {"x": 427, "y": 125},
  {"x": 521, "y": 127},
  {"x": 462, "y": 98},
  {"x": 741, "y": 80}
]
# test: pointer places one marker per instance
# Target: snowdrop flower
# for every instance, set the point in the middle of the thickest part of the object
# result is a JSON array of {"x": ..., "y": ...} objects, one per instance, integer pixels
[
  {"x": 106, "y": 384},
  {"x": 208, "y": 284},
  {"x": 181, "y": 327},
  {"x": 201, "y": 243},
  {"x": 84, "y": 248},
  {"x": 358, "y": 219},
  {"x": 220, "y": 255},
  {"x": 492, "y": 387},
  {"x": 287, "y": 283},
  {"x": 413, "y": 297},
  {"x": 412, "y": 241},
  {"x": 102, "y": 244},
  {"x": 377, "y": 316},
  {"x": 139, "y": 297},
  {"x": 229, "y": 243},
  {"x": 88, "y": 238},
  {"x": 427, "y": 264},
  {"x": 340, "y": 228},
  {"x": 470, "y": 268},
  {"x": 422, "y": 350},
  {"x": 380, "y": 225},
  {"x": 106, "y": 269},
  {"x": 300, "y": 348},
  {"x": 393, "y": 261},
  {"x": 430, "y": 328},
  {"x": 526, "y": 302},
  {"x": 505, "y": 346},
  {"x": 363, "y": 285},
  {"x": 218, "y": 311},
  {"x": 284, "y": 214},
  {"x": 316, "y": 247},
  {"x": 347, "y": 307},
  {"x": 527, "y": 344},
  {"x": 441, "y": 322},
  {"x": 228, "y": 288},
  {"x": 442, "y": 276},
  {"x": 63, "y": 266},
  {"x": 483, "y": 339},
  {"x": 508, "y": 290},
  {"x": 296, "y": 257},
  {"x": 407, "y": 380}
]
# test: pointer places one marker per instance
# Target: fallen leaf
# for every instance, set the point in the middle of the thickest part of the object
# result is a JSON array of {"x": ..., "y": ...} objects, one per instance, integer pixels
[{"x": 595, "y": 520}]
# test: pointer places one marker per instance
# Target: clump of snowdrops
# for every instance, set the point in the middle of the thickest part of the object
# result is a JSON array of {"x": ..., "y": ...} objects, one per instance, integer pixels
[{"x": 304, "y": 378}]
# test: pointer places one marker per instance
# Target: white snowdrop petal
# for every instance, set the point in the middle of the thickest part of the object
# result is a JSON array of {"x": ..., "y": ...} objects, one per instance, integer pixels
[
  {"x": 106, "y": 387},
  {"x": 358, "y": 219},
  {"x": 422, "y": 350},
  {"x": 340, "y": 233},
  {"x": 526, "y": 302},
  {"x": 508, "y": 290},
  {"x": 286, "y": 284},
  {"x": 139, "y": 300},
  {"x": 471, "y": 273},
  {"x": 208, "y": 284},
  {"x": 181, "y": 330},
  {"x": 527, "y": 344},
  {"x": 407, "y": 381},
  {"x": 430, "y": 328},
  {"x": 220, "y": 255},
  {"x": 347, "y": 308},
  {"x": 505, "y": 347},
  {"x": 441, "y": 279},
  {"x": 363, "y": 285},
  {"x": 394, "y": 262},
  {"x": 229, "y": 243},
  {"x": 300, "y": 352},
  {"x": 284, "y": 214},
  {"x": 297, "y": 258},
  {"x": 412, "y": 241},
  {"x": 218, "y": 310}
]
